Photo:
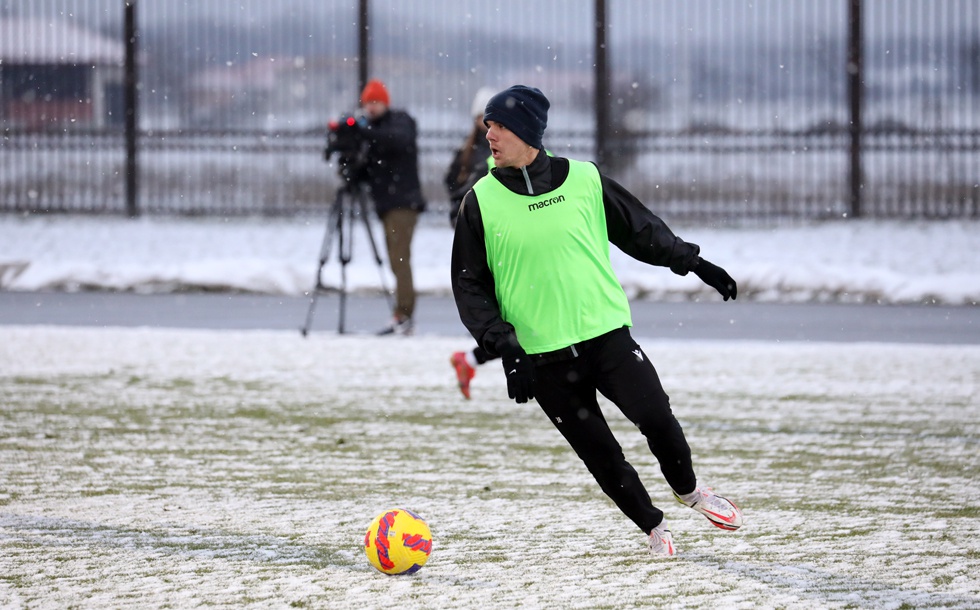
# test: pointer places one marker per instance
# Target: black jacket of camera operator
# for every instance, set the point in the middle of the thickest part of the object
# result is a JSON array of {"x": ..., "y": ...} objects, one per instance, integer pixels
[{"x": 392, "y": 167}]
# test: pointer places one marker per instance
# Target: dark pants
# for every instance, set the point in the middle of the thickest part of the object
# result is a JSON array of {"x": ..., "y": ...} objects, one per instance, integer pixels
[
  {"x": 399, "y": 226},
  {"x": 614, "y": 365}
]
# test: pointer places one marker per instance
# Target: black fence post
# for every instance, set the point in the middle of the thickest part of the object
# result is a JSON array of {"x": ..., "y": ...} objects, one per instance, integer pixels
[
  {"x": 363, "y": 44},
  {"x": 130, "y": 80},
  {"x": 855, "y": 78},
  {"x": 601, "y": 83}
]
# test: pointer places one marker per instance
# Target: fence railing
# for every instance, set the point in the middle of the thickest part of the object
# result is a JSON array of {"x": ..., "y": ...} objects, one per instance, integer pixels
[
  {"x": 707, "y": 175},
  {"x": 707, "y": 109}
]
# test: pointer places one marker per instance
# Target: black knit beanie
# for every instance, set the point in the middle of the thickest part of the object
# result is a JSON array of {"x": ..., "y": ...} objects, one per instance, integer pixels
[{"x": 521, "y": 109}]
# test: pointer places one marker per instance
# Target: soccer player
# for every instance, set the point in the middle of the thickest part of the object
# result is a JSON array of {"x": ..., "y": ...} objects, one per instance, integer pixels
[
  {"x": 533, "y": 283},
  {"x": 471, "y": 161}
]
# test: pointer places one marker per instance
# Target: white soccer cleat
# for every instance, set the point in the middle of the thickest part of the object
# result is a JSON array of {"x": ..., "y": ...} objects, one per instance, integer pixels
[
  {"x": 722, "y": 512},
  {"x": 661, "y": 543}
]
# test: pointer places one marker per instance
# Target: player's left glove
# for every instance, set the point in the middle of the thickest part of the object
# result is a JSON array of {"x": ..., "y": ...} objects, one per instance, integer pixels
[{"x": 717, "y": 278}]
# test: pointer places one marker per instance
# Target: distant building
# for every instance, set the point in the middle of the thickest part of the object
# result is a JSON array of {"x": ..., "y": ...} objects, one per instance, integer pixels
[
  {"x": 54, "y": 74},
  {"x": 293, "y": 92}
]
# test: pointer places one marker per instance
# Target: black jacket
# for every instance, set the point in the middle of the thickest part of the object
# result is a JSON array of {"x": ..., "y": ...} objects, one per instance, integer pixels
[
  {"x": 393, "y": 162},
  {"x": 475, "y": 169},
  {"x": 632, "y": 228}
]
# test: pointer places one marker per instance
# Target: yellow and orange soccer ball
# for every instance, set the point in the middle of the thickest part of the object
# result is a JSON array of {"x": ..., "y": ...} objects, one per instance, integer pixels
[{"x": 398, "y": 542}]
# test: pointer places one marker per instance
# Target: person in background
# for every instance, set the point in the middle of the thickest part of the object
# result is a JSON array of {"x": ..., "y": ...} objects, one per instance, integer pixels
[
  {"x": 393, "y": 178},
  {"x": 470, "y": 163},
  {"x": 472, "y": 160},
  {"x": 533, "y": 283}
]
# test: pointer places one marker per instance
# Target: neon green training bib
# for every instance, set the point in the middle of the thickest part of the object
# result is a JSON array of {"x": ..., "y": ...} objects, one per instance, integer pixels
[{"x": 549, "y": 255}]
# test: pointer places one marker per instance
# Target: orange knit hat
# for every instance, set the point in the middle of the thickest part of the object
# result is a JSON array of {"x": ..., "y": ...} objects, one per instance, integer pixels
[{"x": 375, "y": 91}]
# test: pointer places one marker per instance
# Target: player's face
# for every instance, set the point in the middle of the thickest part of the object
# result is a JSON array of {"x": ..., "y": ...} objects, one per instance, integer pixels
[{"x": 507, "y": 149}]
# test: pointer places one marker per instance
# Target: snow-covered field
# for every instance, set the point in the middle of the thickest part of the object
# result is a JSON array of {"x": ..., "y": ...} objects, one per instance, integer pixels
[
  {"x": 190, "y": 468},
  {"x": 843, "y": 261},
  {"x": 159, "y": 468}
]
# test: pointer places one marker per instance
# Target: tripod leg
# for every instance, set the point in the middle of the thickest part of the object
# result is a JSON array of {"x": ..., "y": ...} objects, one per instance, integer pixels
[
  {"x": 345, "y": 223},
  {"x": 363, "y": 210},
  {"x": 309, "y": 313},
  {"x": 343, "y": 301},
  {"x": 333, "y": 226}
]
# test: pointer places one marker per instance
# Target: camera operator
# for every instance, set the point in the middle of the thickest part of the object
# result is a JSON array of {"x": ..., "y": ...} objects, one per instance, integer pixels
[{"x": 393, "y": 178}]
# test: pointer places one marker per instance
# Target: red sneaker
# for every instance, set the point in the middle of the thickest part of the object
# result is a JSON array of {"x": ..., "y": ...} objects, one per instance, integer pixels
[{"x": 464, "y": 372}]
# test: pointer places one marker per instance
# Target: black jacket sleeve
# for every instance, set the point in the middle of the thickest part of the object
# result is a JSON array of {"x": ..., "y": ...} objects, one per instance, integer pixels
[
  {"x": 638, "y": 232},
  {"x": 474, "y": 288}
]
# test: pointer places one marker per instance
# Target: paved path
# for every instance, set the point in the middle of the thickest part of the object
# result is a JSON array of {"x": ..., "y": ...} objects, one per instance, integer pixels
[{"x": 437, "y": 316}]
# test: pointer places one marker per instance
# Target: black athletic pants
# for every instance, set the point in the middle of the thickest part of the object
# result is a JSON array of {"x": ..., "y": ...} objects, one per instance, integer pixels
[{"x": 613, "y": 364}]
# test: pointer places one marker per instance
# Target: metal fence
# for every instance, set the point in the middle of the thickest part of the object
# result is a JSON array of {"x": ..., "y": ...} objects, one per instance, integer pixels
[{"x": 716, "y": 110}]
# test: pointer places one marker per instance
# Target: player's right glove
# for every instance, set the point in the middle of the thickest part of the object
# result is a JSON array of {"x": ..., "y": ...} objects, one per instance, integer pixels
[{"x": 518, "y": 368}]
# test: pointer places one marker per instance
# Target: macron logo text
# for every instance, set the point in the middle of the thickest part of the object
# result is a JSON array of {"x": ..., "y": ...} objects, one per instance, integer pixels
[{"x": 545, "y": 203}]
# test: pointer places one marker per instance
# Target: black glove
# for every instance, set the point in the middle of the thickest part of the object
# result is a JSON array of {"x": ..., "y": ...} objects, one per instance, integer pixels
[
  {"x": 717, "y": 278},
  {"x": 518, "y": 368}
]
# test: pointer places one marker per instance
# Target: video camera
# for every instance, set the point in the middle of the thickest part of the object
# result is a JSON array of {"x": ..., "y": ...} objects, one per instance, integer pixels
[{"x": 345, "y": 137}]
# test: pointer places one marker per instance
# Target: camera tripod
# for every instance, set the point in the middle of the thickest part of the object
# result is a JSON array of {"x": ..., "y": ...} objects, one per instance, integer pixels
[{"x": 350, "y": 204}]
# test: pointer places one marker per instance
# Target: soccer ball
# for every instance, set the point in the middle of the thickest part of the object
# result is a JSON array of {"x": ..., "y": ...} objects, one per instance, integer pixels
[{"x": 398, "y": 542}]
